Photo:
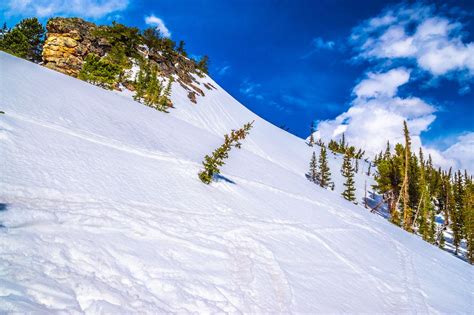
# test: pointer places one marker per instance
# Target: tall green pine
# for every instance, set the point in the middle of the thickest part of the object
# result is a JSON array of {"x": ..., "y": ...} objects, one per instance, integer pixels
[
  {"x": 324, "y": 174},
  {"x": 348, "y": 172},
  {"x": 313, "y": 169}
]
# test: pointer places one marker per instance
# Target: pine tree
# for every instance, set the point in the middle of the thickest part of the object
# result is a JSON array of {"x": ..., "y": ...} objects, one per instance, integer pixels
[
  {"x": 313, "y": 169},
  {"x": 165, "y": 100},
  {"x": 212, "y": 162},
  {"x": 15, "y": 43},
  {"x": 25, "y": 40},
  {"x": 99, "y": 72},
  {"x": 181, "y": 49},
  {"x": 153, "y": 91},
  {"x": 118, "y": 57},
  {"x": 388, "y": 180},
  {"x": 407, "y": 211},
  {"x": 203, "y": 64},
  {"x": 324, "y": 174},
  {"x": 425, "y": 211},
  {"x": 120, "y": 35},
  {"x": 387, "y": 154},
  {"x": 34, "y": 32},
  {"x": 457, "y": 218},
  {"x": 311, "y": 141},
  {"x": 4, "y": 31},
  {"x": 468, "y": 216},
  {"x": 152, "y": 38},
  {"x": 140, "y": 85},
  {"x": 348, "y": 172}
]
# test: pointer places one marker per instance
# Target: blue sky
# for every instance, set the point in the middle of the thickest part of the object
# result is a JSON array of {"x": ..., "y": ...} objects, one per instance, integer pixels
[{"x": 292, "y": 62}]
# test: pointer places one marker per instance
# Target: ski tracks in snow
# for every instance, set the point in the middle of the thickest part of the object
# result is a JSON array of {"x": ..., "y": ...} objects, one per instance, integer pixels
[{"x": 413, "y": 292}]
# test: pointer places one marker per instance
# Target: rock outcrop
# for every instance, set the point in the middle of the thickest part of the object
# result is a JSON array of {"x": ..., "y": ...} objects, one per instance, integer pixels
[{"x": 68, "y": 41}]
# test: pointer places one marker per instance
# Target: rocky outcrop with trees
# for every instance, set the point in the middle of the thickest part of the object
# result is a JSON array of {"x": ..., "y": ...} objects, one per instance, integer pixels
[{"x": 111, "y": 56}]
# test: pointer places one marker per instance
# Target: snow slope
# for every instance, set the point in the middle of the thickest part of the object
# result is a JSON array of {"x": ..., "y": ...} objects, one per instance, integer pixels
[{"x": 103, "y": 212}]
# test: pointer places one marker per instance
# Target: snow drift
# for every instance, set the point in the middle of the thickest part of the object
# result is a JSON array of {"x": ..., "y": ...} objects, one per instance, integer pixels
[{"x": 103, "y": 212}]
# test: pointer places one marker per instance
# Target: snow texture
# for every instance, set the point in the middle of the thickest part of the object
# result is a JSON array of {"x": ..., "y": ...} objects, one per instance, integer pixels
[{"x": 102, "y": 212}]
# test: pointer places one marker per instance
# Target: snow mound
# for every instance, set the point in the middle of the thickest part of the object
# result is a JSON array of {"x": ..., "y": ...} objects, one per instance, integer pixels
[{"x": 101, "y": 211}]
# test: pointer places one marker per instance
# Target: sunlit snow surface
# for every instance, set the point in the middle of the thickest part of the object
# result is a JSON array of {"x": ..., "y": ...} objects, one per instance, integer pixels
[{"x": 102, "y": 212}]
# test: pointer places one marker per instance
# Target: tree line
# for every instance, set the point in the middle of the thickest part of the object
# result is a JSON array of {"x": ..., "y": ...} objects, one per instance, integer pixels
[
  {"x": 413, "y": 190},
  {"x": 416, "y": 193}
]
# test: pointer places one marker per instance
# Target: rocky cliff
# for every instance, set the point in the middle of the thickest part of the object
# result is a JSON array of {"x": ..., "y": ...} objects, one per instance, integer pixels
[{"x": 68, "y": 41}]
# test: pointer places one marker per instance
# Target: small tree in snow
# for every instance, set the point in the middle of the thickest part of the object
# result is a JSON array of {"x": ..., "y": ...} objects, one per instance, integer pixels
[
  {"x": 313, "y": 169},
  {"x": 324, "y": 174},
  {"x": 212, "y": 162},
  {"x": 348, "y": 172}
]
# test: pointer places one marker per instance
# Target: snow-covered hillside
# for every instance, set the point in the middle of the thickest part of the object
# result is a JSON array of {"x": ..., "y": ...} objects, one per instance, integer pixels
[{"x": 102, "y": 212}]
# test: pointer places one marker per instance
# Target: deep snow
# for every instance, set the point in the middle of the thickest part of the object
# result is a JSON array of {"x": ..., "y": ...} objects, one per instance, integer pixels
[{"x": 102, "y": 211}]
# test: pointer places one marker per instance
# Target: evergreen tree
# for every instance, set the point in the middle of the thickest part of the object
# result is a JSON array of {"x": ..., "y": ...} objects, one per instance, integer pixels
[
  {"x": 405, "y": 196},
  {"x": 203, "y": 64},
  {"x": 388, "y": 180},
  {"x": 117, "y": 56},
  {"x": 324, "y": 174},
  {"x": 348, "y": 172},
  {"x": 4, "y": 30},
  {"x": 468, "y": 216},
  {"x": 313, "y": 169},
  {"x": 387, "y": 155},
  {"x": 15, "y": 43},
  {"x": 99, "y": 72},
  {"x": 213, "y": 162},
  {"x": 140, "y": 84},
  {"x": 152, "y": 38},
  {"x": 457, "y": 209},
  {"x": 311, "y": 140},
  {"x": 165, "y": 100},
  {"x": 181, "y": 49},
  {"x": 34, "y": 32},
  {"x": 425, "y": 209},
  {"x": 153, "y": 90},
  {"x": 311, "y": 137},
  {"x": 120, "y": 35}
]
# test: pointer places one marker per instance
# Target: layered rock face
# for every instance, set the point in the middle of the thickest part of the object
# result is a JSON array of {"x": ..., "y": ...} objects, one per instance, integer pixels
[{"x": 68, "y": 41}]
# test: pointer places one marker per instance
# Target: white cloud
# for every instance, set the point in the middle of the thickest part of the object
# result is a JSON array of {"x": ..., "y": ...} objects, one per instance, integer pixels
[
  {"x": 83, "y": 8},
  {"x": 379, "y": 84},
  {"x": 377, "y": 114},
  {"x": 412, "y": 33},
  {"x": 417, "y": 33},
  {"x": 158, "y": 23},
  {"x": 462, "y": 152}
]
